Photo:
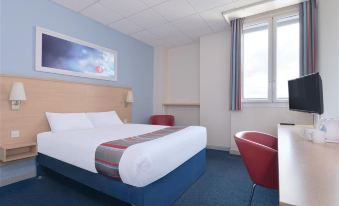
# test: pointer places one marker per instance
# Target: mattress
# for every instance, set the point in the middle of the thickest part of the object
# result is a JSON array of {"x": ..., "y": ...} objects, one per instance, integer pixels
[{"x": 141, "y": 164}]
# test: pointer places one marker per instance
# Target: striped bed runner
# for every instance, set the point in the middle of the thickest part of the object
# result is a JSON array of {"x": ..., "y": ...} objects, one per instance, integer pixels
[{"x": 108, "y": 154}]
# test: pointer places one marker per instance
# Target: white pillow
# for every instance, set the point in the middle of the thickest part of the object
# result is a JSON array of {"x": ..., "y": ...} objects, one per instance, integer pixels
[
  {"x": 104, "y": 119},
  {"x": 68, "y": 121}
]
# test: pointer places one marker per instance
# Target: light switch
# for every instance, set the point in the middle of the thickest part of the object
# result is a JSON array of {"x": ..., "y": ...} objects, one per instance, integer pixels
[{"x": 15, "y": 133}]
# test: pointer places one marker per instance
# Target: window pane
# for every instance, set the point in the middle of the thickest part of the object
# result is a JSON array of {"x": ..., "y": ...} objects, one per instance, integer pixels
[
  {"x": 255, "y": 81},
  {"x": 287, "y": 54}
]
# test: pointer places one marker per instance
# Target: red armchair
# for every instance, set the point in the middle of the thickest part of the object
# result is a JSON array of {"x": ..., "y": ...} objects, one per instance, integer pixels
[
  {"x": 259, "y": 152},
  {"x": 167, "y": 120}
]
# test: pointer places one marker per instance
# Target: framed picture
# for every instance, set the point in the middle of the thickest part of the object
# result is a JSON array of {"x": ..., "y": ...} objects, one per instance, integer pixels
[{"x": 61, "y": 54}]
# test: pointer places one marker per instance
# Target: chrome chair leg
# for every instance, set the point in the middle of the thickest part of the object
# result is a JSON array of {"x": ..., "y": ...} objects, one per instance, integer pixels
[{"x": 252, "y": 193}]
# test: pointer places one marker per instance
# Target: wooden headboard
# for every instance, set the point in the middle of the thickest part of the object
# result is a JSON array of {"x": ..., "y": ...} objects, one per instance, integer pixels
[{"x": 53, "y": 96}]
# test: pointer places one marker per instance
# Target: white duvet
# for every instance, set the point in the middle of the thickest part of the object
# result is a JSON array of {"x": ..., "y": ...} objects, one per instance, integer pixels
[{"x": 141, "y": 164}]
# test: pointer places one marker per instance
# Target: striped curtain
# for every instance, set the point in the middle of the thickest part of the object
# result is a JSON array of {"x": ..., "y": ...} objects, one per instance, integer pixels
[
  {"x": 308, "y": 37},
  {"x": 235, "y": 76}
]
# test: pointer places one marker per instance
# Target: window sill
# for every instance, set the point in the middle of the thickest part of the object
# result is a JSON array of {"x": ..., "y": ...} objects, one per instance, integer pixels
[{"x": 265, "y": 104}]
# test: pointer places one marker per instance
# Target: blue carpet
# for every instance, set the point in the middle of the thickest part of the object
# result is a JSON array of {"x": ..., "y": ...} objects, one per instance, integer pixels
[{"x": 225, "y": 182}]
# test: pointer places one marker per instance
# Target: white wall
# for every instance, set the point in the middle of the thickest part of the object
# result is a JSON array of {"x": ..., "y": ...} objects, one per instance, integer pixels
[
  {"x": 214, "y": 99},
  {"x": 329, "y": 54},
  {"x": 183, "y": 83},
  {"x": 264, "y": 119},
  {"x": 183, "y": 74},
  {"x": 160, "y": 79},
  {"x": 214, "y": 89},
  {"x": 176, "y": 80}
]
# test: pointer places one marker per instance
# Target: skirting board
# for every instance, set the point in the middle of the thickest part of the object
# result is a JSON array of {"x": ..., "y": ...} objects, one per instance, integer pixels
[
  {"x": 231, "y": 151},
  {"x": 234, "y": 152},
  {"x": 218, "y": 148}
]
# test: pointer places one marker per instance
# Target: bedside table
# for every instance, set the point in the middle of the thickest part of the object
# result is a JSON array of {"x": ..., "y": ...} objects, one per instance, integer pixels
[
  {"x": 17, "y": 151},
  {"x": 17, "y": 162}
]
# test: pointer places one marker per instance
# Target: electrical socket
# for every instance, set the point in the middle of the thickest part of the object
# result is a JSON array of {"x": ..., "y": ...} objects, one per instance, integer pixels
[{"x": 15, "y": 133}]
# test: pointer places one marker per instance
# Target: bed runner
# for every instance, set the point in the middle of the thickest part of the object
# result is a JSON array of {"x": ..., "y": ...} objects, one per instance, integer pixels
[{"x": 108, "y": 154}]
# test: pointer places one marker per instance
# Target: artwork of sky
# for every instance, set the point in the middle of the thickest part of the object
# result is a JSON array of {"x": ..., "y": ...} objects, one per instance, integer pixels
[{"x": 66, "y": 55}]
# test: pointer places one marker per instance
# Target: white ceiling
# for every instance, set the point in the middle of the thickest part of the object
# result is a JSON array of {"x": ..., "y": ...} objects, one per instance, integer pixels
[{"x": 167, "y": 23}]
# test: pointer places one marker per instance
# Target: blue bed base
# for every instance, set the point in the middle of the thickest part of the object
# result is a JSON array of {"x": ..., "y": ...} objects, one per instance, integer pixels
[{"x": 162, "y": 192}]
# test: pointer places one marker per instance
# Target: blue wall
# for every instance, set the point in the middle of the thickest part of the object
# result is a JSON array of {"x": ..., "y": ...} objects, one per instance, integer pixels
[{"x": 18, "y": 21}]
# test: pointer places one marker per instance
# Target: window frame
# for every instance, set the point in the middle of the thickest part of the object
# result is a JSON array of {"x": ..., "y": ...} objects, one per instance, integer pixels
[{"x": 270, "y": 18}]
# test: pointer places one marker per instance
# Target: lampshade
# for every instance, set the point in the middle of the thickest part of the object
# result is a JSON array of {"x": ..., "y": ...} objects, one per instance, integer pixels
[
  {"x": 17, "y": 92},
  {"x": 129, "y": 98}
]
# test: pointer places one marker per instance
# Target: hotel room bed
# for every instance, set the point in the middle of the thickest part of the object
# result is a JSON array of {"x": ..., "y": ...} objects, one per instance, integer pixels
[{"x": 154, "y": 172}]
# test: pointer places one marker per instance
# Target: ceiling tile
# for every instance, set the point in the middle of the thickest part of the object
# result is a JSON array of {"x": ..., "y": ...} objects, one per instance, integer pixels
[
  {"x": 167, "y": 23},
  {"x": 166, "y": 43},
  {"x": 168, "y": 31},
  {"x": 174, "y": 9},
  {"x": 202, "y": 5},
  {"x": 146, "y": 37},
  {"x": 76, "y": 5},
  {"x": 159, "y": 42},
  {"x": 241, "y": 3},
  {"x": 101, "y": 14},
  {"x": 215, "y": 19},
  {"x": 179, "y": 41},
  {"x": 153, "y": 2},
  {"x": 124, "y": 7},
  {"x": 177, "y": 38},
  {"x": 164, "y": 30},
  {"x": 193, "y": 26},
  {"x": 147, "y": 18},
  {"x": 126, "y": 26},
  {"x": 174, "y": 42},
  {"x": 170, "y": 35}
]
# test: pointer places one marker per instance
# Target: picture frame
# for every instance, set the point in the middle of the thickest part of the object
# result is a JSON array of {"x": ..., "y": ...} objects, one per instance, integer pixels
[{"x": 61, "y": 54}]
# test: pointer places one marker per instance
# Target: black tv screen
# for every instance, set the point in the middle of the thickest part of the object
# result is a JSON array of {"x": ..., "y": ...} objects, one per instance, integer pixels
[{"x": 306, "y": 94}]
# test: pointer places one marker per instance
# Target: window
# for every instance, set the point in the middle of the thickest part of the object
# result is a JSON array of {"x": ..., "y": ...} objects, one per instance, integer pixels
[
  {"x": 256, "y": 57},
  {"x": 270, "y": 57},
  {"x": 287, "y": 47}
]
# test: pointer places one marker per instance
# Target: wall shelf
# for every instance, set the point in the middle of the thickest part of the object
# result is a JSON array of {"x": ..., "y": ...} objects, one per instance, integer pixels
[
  {"x": 183, "y": 104},
  {"x": 11, "y": 152}
]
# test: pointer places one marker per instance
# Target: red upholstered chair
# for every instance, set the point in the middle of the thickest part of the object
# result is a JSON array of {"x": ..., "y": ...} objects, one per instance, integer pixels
[
  {"x": 167, "y": 120},
  {"x": 259, "y": 152}
]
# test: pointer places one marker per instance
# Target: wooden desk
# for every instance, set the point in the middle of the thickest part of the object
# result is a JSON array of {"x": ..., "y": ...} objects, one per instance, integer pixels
[{"x": 308, "y": 172}]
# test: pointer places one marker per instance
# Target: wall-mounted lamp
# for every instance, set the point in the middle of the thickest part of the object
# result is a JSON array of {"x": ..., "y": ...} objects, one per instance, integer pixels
[
  {"x": 17, "y": 95},
  {"x": 129, "y": 98}
]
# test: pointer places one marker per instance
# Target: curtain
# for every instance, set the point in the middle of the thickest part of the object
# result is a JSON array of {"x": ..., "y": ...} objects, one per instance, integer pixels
[
  {"x": 235, "y": 76},
  {"x": 308, "y": 37}
]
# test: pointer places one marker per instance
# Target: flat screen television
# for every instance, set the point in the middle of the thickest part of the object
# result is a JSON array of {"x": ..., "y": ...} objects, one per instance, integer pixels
[{"x": 306, "y": 94}]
